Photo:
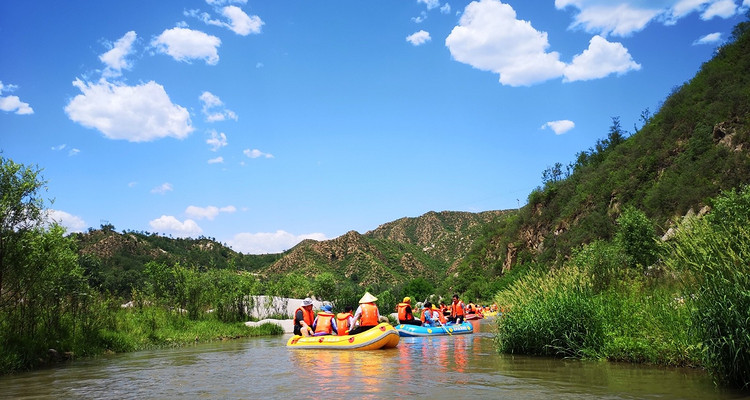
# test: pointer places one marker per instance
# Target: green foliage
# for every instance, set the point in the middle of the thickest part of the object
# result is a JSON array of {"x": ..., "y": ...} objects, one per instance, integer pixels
[
  {"x": 715, "y": 251},
  {"x": 419, "y": 289},
  {"x": 636, "y": 237}
]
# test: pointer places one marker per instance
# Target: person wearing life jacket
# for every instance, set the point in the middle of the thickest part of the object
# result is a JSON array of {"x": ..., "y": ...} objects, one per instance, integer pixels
[
  {"x": 367, "y": 314},
  {"x": 324, "y": 322},
  {"x": 303, "y": 318},
  {"x": 405, "y": 315},
  {"x": 438, "y": 316},
  {"x": 457, "y": 310},
  {"x": 345, "y": 321},
  {"x": 444, "y": 310},
  {"x": 471, "y": 309},
  {"x": 427, "y": 318}
]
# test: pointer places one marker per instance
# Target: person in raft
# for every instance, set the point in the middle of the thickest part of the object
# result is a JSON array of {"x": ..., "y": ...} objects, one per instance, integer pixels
[
  {"x": 324, "y": 322},
  {"x": 345, "y": 321},
  {"x": 426, "y": 318},
  {"x": 457, "y": 310},
  {"x": 303, "y": 318},
  {"x": 405, "y": 314},
  {"x": 437, "y": 316},
  {"x": 367, "y": 314}
]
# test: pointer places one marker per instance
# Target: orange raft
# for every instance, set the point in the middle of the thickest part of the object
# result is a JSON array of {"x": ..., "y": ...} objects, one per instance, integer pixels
[{"x": 382, "y": 336}]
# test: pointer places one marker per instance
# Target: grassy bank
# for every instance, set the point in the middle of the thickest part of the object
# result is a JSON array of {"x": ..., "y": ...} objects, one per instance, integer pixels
[
  {"x": 120, "y": 330},
  {"x": 689, "y": 308}
]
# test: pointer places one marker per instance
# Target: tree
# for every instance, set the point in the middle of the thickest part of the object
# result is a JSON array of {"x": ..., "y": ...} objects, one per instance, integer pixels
[{"x": 636, "y": 235}]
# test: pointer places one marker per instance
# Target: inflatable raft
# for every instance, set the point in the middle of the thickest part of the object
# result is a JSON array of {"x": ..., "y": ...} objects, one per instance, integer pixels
[
  {"x": 382, "y": 336},
  {"x": 471, "y": 317},
  {"x": 406, "y": 330}
]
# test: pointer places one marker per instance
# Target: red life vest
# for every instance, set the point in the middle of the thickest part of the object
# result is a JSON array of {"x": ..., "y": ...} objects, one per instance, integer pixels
[
  {"x": 457, "y": 309},
  {"x": 307, "y": 316},
  {"x": 325, "y": 320},
  {"x": 369, "y": 314},
  {"x": 342, "y": 323},
  {"x": 402, "y": 316}
]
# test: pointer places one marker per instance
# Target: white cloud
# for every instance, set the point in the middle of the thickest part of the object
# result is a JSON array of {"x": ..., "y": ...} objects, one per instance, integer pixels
[
  {"x": 210, "y": 103},
  {"x": 490, "y": 38},
  {"x": 223, "y": 2},
  {"x": 445, "y": 9},
  {"x": 59, "y": 147},
  {"x": 209, "y": 212},
  {"x": 163, "y": 188},
  {"x": 602, "y": 58},
  {"x": 72, "y": 223},
  {"x": 73, "y": 152},
  {"x": 422, "y": 16},
  {"x": 418, "y": 38},
  {"x": 13, "y": 103},
  {"x": 255, "y": 153},
  {"x": 170, "y": 224},
  {"x": 430, "y": 3},
  {"x": 720, "y": 8},
  {"x": 217, "y": 160},
  {"x": 186, "y": 44},
  {"x": 269, "y": 243},
  {"x": 624, "y": 17},
  {"x": 559, "y": 127},
  {"x": 217, "y": 140},
  {"x": 139, "y": 113},
  {"x": 709, "y": 39},
  {"x": 115, "y": 59},
  {"x": 241, "y": 23}
]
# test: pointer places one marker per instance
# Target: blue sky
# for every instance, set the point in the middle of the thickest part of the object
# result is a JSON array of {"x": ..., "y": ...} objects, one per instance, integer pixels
[{"x": 261, "y": 123}]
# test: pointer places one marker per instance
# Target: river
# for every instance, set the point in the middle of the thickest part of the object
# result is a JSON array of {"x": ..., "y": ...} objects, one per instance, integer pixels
[{"x": 450, "y": 367}]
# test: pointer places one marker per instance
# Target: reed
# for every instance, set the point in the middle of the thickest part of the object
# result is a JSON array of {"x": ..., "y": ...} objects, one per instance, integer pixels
[{"x": 714, "y": 252}]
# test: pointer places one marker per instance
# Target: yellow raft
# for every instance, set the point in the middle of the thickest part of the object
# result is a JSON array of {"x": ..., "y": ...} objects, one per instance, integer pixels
[{"x": 382, "y": 336}]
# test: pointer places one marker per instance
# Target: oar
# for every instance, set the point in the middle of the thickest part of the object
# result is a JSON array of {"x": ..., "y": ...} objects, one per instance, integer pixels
[{"x": 446, "y": 330}]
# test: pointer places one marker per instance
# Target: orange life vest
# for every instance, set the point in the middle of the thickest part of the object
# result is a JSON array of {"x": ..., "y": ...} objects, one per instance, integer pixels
[
  {"x": 457, "y": 309},
  {"x": 424, "y": 312},
  {"x": 325, "y": 320},
  {"x": 402, "y": 316},
  {"x": 342, "y": 323},
  {"x": 369, "y": 314},
  {"x": 307, "y": 316}
]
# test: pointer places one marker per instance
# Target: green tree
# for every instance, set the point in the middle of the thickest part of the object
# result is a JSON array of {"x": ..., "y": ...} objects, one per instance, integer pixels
[{"x": 636, "y": 236}]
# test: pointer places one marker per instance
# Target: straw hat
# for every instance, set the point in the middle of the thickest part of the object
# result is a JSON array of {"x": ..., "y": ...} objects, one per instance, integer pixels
[{"x": 368, "y": 298}]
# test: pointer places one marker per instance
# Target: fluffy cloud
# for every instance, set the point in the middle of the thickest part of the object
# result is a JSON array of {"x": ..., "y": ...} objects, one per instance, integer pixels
[
  {"x": 241, "y": 23},
  {"x": 490, "y": 38},
  {"x": 139, "y": 113},
  {"x": 255, "y": 153},
  {"x": 209, "y": 212},
  {"x": 71, "y": 222},
  {"x": 186, "y": 44},
  {"x": 602, "y": 58},
  {"x": 217, "y": 160},
  {"x": 210, "y": 104},
  {"x": 217, "y": 140},
  {"x": 624, "y": 17},
  {"x": 709, "y": 39},
  {"x": 163, "y": 188},
  {"x": 115, "y": 59},
  {"x": 559, "y": 127},
  {"x": 269, "y": 243},
  {"x": 13, "y": 103},
  {"x": 171, "y": 225},
  {"x": 418, "y": 38}
]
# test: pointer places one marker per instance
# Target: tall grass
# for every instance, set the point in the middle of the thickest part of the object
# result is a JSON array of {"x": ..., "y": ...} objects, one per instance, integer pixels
[{"x": 715, "y": 253}]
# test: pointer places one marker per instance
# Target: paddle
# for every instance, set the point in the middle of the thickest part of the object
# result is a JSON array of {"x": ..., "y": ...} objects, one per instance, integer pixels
[{"x": 446, "y": 330}]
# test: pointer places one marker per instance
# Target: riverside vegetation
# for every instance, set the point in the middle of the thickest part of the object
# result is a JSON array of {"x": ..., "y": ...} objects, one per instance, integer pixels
[{"x": 581, "y": 269}]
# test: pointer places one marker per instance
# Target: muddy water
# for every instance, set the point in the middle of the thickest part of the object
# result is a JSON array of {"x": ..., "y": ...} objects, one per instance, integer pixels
[{"x": 438, "y": 368}]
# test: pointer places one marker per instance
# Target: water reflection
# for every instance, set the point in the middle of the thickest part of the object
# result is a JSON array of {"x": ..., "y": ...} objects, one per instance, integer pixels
[{"x": 446, "y": 367}]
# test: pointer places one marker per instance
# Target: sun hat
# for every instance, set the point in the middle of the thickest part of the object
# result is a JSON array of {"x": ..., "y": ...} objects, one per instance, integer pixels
[
  {"x": 368, "y": 298},
  {"x": 307, "y": 302},
  {"x": 407, "y": 299},
  {"x": 327, "y": 307}
]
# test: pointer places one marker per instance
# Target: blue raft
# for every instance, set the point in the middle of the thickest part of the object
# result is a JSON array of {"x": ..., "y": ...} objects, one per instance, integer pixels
[{"x": 405, "y": 330}]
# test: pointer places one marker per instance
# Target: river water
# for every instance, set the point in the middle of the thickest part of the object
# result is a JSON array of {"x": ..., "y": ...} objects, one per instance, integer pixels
[{"x": 449, "y": 367}]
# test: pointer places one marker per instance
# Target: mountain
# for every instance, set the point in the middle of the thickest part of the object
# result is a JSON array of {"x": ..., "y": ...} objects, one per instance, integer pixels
[{"x": 425, "y": 246}]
